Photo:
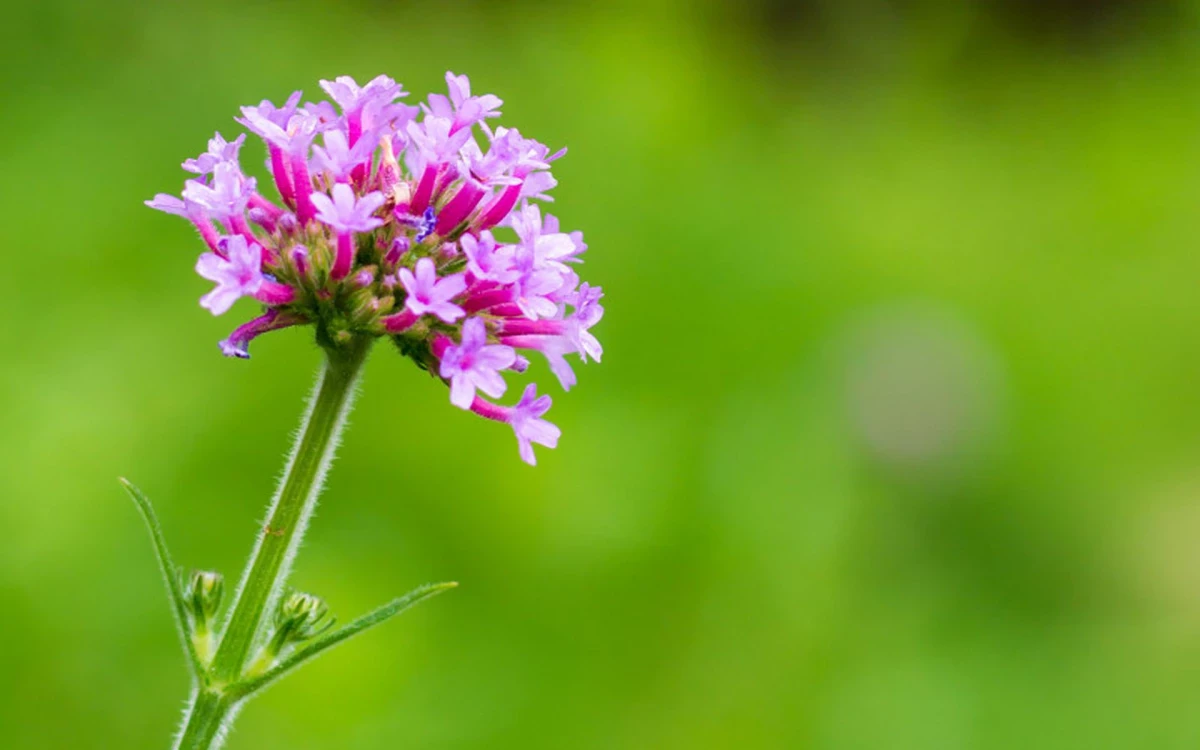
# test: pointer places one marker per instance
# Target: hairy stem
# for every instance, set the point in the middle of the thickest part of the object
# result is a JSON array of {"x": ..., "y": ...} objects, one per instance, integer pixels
[
  {"x": 207, "y": 720},
  {"x": 211, "y": 709}
]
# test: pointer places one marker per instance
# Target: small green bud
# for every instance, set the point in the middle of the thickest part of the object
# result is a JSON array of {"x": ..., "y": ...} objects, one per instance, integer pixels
[
  {"x": 300, "y": 617},
  {"x": 204, "y": 591},
  {"x": 366, "y": 309}
]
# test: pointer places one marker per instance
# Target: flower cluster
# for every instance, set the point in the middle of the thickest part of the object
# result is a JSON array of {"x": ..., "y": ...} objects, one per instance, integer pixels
[{"x": 414, "y": 222}]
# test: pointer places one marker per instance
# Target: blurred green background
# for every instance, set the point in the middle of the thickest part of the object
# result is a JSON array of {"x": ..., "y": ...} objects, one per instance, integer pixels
[{"x": 896, "y": 442}]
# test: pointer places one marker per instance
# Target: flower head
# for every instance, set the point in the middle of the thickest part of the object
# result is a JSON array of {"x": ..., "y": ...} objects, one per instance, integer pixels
[{"x": 412, "y": 223}]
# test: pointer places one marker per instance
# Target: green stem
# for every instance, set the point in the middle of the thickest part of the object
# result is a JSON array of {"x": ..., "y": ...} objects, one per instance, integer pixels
[
  {"x": 263, "y": 581},
  {"x": 207, "y": 721}
]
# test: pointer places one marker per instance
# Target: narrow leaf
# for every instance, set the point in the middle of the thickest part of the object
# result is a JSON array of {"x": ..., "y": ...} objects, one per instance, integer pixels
[
  {"x": 170, "y": 575},
  {"x": 325, "y": 642}
]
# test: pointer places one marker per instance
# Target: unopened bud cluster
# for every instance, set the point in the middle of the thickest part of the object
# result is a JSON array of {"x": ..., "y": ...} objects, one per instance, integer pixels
[
  {"x": 395, "y": 225},
  {"x": 203, "y": 595},
  {"x": 299, "y": 618}
]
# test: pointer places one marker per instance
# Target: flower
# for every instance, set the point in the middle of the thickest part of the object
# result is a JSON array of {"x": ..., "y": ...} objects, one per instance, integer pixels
[
  {"x": 219, "y": 151},
  {"x": 226, "y": 195},
  {"x": 427, "y": 293},
  {"x": 354, "y": 99},
  {"x": 171, "y": 205},
  {"x": 347, "y": 212},
  {"x": 238, "y": 273},
  {"x": 487, "y": 260},
  {"x": 536, "y": 281},
  {"x": 338, "y": 158},
  {"x": 547, "y": 246},
  {"x": 587, "y": 314},
  {"x": 462, "y": 108},
  {"x": 415, "y": 223},
  {"x": 434, "y": 141},
  {"x": 283, "y": 127},
  {"x": 528, "y": 425},
  {"x": 475, "y": 364},
  {"x": 266, "y": 112}
]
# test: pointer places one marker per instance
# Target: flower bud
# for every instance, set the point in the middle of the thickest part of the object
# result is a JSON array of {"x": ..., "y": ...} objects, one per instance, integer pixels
[
  {"x": 389, "y": 168},
  {"x": 203, "y": 597},
  {"x": 262, "y": 218},
  {"x": 366, "y": 308},
  {"x": 399, "y": 247},
  {"x": 364, "y": 277},
  {"x": 300, "y": 260},
  {"x": 300, "y": 617},
  {"x": 204, "y": 591}
]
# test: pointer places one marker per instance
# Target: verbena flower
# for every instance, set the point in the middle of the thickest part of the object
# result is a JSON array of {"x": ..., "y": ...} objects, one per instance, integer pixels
[
  {"x": 474, "y": 364},
  {"x": 414, "y": 223},
  {"x": 237, "y": 272},
  {"x": 428, "y": 293}
]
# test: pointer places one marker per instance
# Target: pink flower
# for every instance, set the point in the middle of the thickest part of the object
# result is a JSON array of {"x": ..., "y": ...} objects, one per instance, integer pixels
[
  {"x": 384, "y": 228},
  {"x": 462, "y": 108},
  {"x": 226, "y": 194},
  {"x": 428, "y": 294},
  {"x": 474, "y": 363},
  {"x": 346, "y": 212},
  {"x": 548, "y": 246},
  {"x": 219, "y": 150},
  {"x": 339, "y": 159},
  {"x": 526, "y": 420},
  {"x": 488, "y": 261},
  {"x": 239, "y": 274},
  {"x": 528, "y": 425}
]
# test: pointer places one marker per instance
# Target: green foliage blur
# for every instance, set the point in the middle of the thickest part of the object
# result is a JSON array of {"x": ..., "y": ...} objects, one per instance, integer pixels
[{"x": 895, "y": 444}]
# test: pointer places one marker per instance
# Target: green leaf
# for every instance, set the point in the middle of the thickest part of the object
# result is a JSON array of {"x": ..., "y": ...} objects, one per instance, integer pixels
[
  {"x": 170, "y": 575},
  {"x": 325, "y": 642}
]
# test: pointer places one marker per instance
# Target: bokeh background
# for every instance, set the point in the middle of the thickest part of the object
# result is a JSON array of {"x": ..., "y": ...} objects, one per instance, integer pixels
[{"x": 896, "y": 442}]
